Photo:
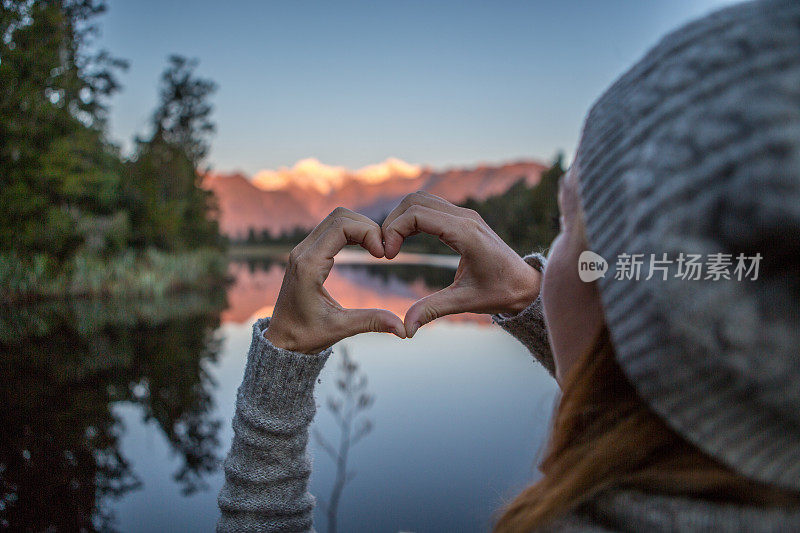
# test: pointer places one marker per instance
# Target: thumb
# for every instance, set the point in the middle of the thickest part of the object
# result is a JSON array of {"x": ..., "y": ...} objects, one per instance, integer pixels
[
  {"x": 431, "y": 307},
  {"x": 355, "y": 321}
]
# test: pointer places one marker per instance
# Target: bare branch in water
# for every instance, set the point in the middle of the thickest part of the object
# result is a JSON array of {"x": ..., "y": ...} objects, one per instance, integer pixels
[{"x": 347, "y": 411}]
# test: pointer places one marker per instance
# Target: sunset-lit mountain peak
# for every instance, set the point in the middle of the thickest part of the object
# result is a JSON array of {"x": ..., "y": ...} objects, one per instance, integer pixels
[
  {"x": 305, "y": 173},
  {"x": 390, "y": 168},
  {"x": 311, "y": 173}
]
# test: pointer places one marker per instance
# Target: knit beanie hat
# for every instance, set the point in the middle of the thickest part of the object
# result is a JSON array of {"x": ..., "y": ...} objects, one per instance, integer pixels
[{"x": 692, "y": 157}]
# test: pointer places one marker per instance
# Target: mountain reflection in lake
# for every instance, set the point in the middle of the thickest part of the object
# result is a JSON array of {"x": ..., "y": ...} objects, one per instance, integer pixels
[{"x": 115, "y": 414}]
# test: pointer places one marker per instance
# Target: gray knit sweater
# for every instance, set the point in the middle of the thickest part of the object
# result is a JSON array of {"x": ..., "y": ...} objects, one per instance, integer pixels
[{"x": 267, "y": 468}]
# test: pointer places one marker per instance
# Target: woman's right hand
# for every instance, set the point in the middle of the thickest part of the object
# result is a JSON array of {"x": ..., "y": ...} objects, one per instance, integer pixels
[
  {"x": 307, "y": 318},
  {"x": 491, "y": 277}
]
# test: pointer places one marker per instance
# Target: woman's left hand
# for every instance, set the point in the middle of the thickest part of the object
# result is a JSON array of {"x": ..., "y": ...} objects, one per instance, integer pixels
[{"x": 307, "y": 318}]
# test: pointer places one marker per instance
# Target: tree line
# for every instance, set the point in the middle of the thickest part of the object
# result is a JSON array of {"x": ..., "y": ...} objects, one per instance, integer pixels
[{"x": 73, "y": 209}]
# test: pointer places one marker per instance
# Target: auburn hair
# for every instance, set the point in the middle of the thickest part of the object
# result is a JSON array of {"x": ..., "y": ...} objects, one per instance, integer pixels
[{"x": 604, "y": 435}]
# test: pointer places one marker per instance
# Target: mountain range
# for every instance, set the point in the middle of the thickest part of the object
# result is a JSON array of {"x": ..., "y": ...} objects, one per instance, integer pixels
[{"x": 300, "y": 196}]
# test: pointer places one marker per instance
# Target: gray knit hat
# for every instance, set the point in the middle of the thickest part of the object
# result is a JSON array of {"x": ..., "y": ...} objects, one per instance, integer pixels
[{"x": 696, "y": 150}]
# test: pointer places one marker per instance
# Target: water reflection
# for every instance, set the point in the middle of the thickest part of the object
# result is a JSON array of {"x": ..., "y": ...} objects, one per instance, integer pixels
[
  {"x": 353, "y": 284},
  {"x": 63, "y": 366},
  {"x": 115, "y": 414}
]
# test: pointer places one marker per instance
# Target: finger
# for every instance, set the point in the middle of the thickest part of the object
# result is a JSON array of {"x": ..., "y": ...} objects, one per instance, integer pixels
[
  {"x": 427, "y": 199},
  {"x": 338, "y": 213},
  {"x": 447, "y": 301},
  {"x": 354, "y": 321},
  {"x": 344, "y": 231},
  {"x": 451, "y": 229}
]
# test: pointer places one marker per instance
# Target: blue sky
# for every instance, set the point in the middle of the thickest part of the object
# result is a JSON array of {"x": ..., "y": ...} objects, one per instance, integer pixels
[{"x": 432, "y": 82}]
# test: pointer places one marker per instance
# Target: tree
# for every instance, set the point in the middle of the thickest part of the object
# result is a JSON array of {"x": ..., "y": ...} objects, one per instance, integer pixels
[
  {"x": 182, "y": 119},
  {"x": 169, "y": 208},
  {"x": 525, "y": 217},
  {"x": 56, "y": 169},
  {"x": 69, "y": 205}
]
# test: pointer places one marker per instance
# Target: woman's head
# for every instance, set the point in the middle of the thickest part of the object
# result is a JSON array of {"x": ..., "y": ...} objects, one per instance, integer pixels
[
  {"x": 687, "y": 182},
  {"x": 693, "y": 155}
]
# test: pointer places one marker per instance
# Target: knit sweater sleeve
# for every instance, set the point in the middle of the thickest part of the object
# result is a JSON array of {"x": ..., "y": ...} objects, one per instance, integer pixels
[
  {"x": 528, "y": 325},
  {"x": 267, "y": 467}
]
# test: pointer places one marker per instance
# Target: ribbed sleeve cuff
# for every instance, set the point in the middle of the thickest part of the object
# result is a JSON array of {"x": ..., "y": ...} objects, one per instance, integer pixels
[{"x": 280, "y": 382}]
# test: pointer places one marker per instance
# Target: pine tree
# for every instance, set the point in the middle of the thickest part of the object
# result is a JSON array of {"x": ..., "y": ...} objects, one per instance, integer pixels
[{"x": 169, "y": 208}]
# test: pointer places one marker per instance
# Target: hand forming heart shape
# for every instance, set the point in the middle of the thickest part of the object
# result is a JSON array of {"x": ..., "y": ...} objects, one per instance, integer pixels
[{"x": 491, "y": 277}]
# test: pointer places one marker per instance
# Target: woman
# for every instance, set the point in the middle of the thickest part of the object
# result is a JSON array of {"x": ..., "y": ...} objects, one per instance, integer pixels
[{"x": 680, "y": 405}]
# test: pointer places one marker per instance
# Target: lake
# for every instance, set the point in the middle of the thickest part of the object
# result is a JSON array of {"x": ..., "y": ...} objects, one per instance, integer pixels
[{"x": 116, "y": 414}]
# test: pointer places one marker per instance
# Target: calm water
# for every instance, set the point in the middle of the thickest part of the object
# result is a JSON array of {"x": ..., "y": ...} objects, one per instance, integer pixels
[{"x": 116, "y": 414}]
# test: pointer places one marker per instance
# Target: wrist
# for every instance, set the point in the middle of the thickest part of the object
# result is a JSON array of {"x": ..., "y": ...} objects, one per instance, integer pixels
[
  {"x": 524, "y": 291},
  {"x": 275, "y": 335},
  {"x": 289, "y": 340}
]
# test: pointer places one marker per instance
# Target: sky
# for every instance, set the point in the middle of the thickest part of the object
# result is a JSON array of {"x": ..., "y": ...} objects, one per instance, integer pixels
[{"x": 436, "y": 83}]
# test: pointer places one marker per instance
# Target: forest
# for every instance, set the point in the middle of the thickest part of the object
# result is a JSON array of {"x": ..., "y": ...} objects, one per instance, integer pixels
[{"x": 77, "y": 217}]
